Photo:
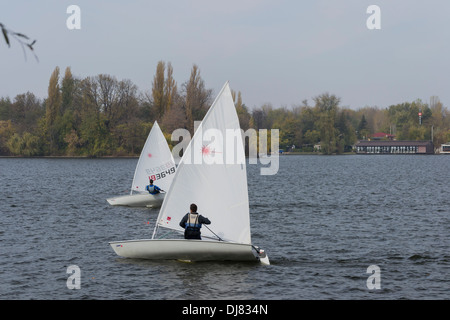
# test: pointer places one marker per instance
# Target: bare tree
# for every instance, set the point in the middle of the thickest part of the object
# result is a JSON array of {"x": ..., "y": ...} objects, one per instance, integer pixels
[{"x": 197, "y": 98}]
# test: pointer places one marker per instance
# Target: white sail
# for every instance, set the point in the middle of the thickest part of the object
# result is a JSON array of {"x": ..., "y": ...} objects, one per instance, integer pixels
[
  {"x": 155, "y": 162},
  {"x": 212, "y": 174}
]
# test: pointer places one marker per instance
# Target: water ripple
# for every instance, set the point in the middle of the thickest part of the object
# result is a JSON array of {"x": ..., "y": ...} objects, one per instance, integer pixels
[{"x": 322, "y": 220}]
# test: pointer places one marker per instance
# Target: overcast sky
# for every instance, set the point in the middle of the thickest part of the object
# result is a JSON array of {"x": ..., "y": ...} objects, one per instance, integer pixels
[{"x": 278, "y": 52}]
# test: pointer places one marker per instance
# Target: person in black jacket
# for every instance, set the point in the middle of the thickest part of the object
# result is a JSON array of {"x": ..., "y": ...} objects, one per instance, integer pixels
[{"x": 192, "y": 222}]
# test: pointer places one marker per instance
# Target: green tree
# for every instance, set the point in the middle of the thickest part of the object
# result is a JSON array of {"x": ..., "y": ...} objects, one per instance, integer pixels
[
  {"x": 25, "y": 111},
  {"x": 25, "y": 145},
  {"x": 15, "y": 144},
  {"x": 5, "y": 108},
  {"x": 33, "y": 146},
  {"x": 311, "y": 137},
  {"x": 52, "y": 111},
  {"x": 170, "y": 89},
  {"x": 95, "y": 135},
  {"x": 67, "y": 91},
  {"x": 346, "y": 132},
  {"x": 328, "y": 133},
  {"x": 327, "y": 106},
  {"x": 6, "y": 132},
  {"x": 417, "y": 133},
  {"x": 363, "y": 130},
  {"x": 74, "y": 143},
  {"x": 53, "y": 102},
  {"x": 439, "y": 121},
  {"x": 404, "y": 116},
  {"x": 158, "y": 95}
]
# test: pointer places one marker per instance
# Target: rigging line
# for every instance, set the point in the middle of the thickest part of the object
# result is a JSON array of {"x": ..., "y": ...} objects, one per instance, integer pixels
[
  {"x": 220, "y": 239},
  {"x": 154, "y": 230},
  {"x": 164, "y": 235},
  {"x": 257, "y": 249}
]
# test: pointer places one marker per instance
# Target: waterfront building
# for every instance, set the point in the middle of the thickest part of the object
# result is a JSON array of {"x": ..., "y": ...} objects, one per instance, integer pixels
[
  {"x": 445, "y": 148},
  {"x": 394, "y": 147}
]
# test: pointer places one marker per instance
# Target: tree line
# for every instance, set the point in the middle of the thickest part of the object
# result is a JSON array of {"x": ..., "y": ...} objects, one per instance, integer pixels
[
  {"x": 103, "y": 116},
  {"x": 99, "y": 115},
  {"x": 337, "y": 128}
]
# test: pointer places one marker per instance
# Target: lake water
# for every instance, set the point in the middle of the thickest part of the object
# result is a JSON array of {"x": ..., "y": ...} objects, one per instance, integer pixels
[{"x": 323, "y": 221}]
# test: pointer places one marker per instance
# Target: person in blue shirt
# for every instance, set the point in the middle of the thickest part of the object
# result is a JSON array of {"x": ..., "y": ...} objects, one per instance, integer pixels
[
  {"x": 152, "y": 189},
  {"x": 192, "y": 222}
]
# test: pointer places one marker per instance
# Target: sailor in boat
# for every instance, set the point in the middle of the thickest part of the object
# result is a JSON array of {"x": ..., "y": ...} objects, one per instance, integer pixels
[
  {"x": 192, "y": 222},
  {"x": 153, "y": 189}
]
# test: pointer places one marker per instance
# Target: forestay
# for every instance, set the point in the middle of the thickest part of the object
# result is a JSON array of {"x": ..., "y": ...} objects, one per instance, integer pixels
[{"x": 212, "y": 174}]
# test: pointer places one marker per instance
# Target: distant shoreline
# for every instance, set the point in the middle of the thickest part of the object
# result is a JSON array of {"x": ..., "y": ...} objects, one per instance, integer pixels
[
  {"x": 72, "y": 157},
  {"x": 136, "y": 157},
  {"x": 313, "y": 154}
]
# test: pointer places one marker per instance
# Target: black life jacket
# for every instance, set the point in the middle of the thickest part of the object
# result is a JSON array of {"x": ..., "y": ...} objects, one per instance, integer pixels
[{"x": 192, "y": 228}]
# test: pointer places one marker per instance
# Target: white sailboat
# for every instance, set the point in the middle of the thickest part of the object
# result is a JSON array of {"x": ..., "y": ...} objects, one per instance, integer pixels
[
  {"x": 212, "y": 175},
  {"x": 155, "y": 162}
]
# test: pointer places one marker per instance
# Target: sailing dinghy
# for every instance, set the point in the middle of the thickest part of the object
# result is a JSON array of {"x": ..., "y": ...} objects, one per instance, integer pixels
[
  {"x": 155, "y": 162},
  {"x": 213, "y": 175}
]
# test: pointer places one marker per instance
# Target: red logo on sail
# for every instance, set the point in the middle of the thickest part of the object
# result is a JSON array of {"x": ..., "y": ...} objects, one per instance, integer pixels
[
  {"x": 208, "y": 151},
  {"x": 168, "y": 219}
]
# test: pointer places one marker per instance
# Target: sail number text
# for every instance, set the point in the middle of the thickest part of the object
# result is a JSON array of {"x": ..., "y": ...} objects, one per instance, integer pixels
[{"x": 162, "y": 174}]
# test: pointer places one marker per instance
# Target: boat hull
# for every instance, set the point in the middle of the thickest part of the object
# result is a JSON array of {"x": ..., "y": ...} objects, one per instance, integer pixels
[
  {"x": 181, "y": 249},
  {"x": 138, "y": 200}
]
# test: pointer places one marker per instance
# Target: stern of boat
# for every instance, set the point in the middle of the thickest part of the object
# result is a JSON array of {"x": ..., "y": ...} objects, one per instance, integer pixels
[{"x": 261, "y": 255}]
